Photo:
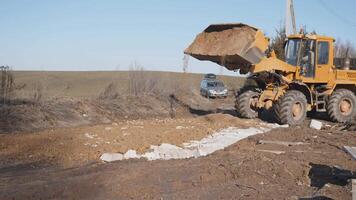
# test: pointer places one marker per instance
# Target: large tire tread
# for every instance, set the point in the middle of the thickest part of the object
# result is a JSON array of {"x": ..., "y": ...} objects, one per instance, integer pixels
[
  {"x": 333, "y": 105},
  {"x": 243, "y": 104},
  {"x": 283, "y": 106}
]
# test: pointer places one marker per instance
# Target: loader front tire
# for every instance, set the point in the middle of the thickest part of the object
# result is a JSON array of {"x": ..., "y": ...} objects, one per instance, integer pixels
[
  {"x": 246, "y": 104},
  {"x": 342, "y": 105},
  {"x": 291, "y": 108}
]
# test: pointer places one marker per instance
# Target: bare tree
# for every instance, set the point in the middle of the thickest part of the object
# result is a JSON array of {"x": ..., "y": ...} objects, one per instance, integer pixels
[
  {"x": 278, "y": 42},
  {"x": 344, "y": 49}
]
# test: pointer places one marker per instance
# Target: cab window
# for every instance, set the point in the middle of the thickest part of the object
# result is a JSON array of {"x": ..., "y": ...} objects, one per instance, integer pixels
[{"x": 323, "y": 53}]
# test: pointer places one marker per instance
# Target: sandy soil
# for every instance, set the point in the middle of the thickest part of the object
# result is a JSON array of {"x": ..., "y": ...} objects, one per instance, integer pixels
[
  {"x": 69, "y": 147},
  {"x": 242, "y": 171}
]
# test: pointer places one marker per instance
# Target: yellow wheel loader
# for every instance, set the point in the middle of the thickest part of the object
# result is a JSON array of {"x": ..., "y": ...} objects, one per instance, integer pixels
[{"x": 306, "y": 81}]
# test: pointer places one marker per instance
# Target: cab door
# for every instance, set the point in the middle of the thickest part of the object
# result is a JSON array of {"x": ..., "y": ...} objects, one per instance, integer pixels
[{"x": 323, "y": 61}]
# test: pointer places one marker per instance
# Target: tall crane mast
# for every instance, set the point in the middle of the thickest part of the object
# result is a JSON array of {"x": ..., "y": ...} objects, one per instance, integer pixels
[{"x": 290, "y": 19}]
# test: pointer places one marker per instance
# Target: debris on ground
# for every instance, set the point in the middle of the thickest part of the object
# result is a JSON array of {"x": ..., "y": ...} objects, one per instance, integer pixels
[
  {"x": 315, "y": 124},
  {"x": 131, "y": 154},
  {"x": 194, "y": 149},
  {"x": 272, "y": 151},
  {"x": 351, "y": 151},
  {"x": 90, "y": 136},
  {"x": 111, "y": 157},
  {"x": 281, "y": 143}
]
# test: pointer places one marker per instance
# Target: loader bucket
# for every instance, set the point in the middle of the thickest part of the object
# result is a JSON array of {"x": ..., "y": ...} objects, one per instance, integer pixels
[{"x": 233, "y": 46}]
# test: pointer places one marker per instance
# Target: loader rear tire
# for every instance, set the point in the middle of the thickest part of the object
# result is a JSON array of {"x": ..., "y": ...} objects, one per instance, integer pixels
[
  {"x": 291, "y": 108},
  {"x": 342, "y": 106},
  {"x": 245, "y": 102}
]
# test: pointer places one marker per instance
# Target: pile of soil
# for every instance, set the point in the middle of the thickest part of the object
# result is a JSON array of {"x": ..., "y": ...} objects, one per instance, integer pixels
[
  {"x": 27, "y": 116},
  {"x": 227, "y": 42},
  {"x": 228, "y": 47},
  {"x": 69, "y": 112}
]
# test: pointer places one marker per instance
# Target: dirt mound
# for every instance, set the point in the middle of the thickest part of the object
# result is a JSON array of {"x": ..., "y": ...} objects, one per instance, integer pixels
[
  {"x": 64, "y": 112},
  {"x": 70, "y": 112},
  {"x": 227, "y": 42},
  {"x": 228, "y": 45}
]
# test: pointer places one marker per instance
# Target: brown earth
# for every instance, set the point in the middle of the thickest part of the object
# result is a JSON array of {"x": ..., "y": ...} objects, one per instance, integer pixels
[
  {"x": 70, "y": 99},
  {"x": 222, "y": 43},
  {"x": 50, "y": 149},
  {"x": 242, "y": 171},
  {"x": 229, "y": 45},
  {"x": 71, "y": 147}
]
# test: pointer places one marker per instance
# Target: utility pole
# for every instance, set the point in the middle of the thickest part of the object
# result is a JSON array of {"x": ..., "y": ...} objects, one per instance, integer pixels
[{"x": 290, "y": 18}]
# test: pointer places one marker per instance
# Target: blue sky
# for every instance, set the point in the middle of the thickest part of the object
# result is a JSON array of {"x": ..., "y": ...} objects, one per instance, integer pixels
[{"x": 110, "y": 34}]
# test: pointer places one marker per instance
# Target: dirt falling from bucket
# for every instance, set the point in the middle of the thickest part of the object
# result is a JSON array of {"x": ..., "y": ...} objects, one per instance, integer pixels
[{"x": 185, "y": 63}]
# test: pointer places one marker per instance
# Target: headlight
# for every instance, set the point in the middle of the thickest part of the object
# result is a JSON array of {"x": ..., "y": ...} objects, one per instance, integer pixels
[
  {"x": 225, "y": 90},
  {"x": 212, "y": 91}
]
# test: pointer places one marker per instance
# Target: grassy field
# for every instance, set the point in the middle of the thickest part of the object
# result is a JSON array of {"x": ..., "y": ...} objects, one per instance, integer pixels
[{"x": 91, "y": 84}]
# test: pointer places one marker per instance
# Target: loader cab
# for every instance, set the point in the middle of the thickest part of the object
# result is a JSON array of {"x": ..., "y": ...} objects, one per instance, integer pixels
[{"x": 313, "y": 54}]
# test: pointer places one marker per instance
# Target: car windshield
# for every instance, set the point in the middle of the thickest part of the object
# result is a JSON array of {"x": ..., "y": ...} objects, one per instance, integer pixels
[
  {"x": 291, "y": 51},
  {"x": 215, "y": 84}
]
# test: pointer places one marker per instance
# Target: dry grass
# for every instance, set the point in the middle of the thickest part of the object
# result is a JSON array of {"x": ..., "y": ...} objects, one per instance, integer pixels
[
  {"x": 92, "y": 84},
  {"x": 110, "y": 92},
  {"x": 7, "y": 84},
  {"x": 141, "y": 83},
  {"x": 64, "y": 99}
]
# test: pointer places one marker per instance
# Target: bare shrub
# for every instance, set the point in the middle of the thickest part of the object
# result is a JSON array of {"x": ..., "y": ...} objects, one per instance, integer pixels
[
  {"x": 7, "y": 84},
  {"x": 37, "y": 93},
  {"x": 140, "y": 81},
  {"x": 110, "y": 92}
]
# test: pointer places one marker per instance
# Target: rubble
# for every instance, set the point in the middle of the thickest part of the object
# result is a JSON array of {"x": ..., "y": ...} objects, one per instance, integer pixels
[
  {"x": 315, "y": 124},
  {"x": 110, "y": 157},
  {"x": 131, "y": 154},
  {"x": 271, "y": 151},
  {"x": 204, "y": 147},
  {"x": 282, "y": 143},
  {"x": 88, "y": 135}
]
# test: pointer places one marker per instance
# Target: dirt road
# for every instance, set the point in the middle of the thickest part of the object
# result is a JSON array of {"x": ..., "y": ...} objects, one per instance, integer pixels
[{"x": 245, "y": 170}]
